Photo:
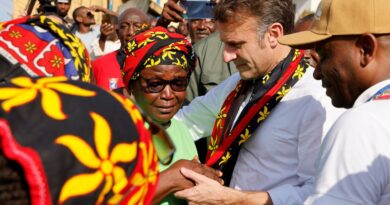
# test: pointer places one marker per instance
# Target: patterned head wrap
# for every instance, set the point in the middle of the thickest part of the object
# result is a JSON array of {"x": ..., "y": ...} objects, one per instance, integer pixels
[
  {"x": 44, "y": 48},
  {"x": 157, "y": 46},
  {"x": 75, "y": 143}
]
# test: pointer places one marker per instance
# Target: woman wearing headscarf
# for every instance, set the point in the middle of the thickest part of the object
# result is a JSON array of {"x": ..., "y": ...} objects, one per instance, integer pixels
[{"x": 156, "y": 74}]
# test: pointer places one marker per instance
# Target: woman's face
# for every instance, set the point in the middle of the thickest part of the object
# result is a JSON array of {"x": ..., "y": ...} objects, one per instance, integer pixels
[{"x": 160, "y": 91}]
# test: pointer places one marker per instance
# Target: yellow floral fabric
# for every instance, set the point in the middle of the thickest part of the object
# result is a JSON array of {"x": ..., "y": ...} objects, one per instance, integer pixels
[{"x": 76, "y": 143}]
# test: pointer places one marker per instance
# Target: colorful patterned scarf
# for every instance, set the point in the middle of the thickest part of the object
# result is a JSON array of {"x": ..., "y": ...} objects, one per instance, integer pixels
[
  {"x": 44, "y": 48},
  {"x": 157, "y": 46},
  {"x": 226, "y": 139},
  {"x": 76, "y": 143}
]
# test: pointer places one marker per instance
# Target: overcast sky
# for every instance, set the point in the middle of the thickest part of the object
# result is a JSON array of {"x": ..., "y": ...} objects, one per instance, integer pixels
[{"x": 5, "y": 10}]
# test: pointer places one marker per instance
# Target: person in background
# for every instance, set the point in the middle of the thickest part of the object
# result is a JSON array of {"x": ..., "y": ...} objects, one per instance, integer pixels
[
  {"x": 268, "y": 120},
  {"x": 156, "y": 75},
  {"x": 107, "y": 68},
  {"x": 108, "y": 40},
  {"x": 352, "y": 39},
  {"x": 304, "y": 24},
  {"x": 62, "y": 8},
  {"x": 39, "y": 46},
  {"x": 200, "y": 28},
  {"x": 182, "y": 28},
  {"x": 152, "y": 21},
  {"x": 69, "y": 142},
  {"x": 85, "y": 26}
]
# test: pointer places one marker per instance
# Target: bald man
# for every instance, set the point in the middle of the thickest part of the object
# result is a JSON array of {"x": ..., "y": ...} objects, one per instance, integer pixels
[{"x": 107, "y": 68}]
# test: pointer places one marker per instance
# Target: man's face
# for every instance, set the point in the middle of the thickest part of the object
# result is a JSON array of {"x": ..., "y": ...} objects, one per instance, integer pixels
[
  {"x": 62, "y": 8},
  {"x": 200, "y": 28},
  {"x": 87, "y": 17},
  {"x": 338, "y": 68},
  {"x": 245, "y": 47},
  {"x": 129, "y": 23}
]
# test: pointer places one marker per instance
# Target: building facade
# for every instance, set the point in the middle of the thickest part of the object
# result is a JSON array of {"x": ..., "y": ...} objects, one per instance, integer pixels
[{"x": 20, "y": 6}]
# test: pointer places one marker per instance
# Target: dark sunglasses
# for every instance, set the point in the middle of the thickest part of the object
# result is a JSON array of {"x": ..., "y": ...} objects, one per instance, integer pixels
[{"x": 157, "y": 85}]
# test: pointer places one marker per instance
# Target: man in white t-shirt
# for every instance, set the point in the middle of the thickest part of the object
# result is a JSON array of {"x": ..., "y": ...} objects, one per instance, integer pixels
[
  {"x": 352, "y": 38},
  {"x": 85, "y": 26}
]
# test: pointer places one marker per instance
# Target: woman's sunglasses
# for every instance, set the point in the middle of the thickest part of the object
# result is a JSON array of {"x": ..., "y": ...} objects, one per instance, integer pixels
[{"x": 157, "y": 85}]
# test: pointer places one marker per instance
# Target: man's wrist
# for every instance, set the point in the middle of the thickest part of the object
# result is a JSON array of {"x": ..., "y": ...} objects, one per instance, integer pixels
[{"x": 251, "y": 198}]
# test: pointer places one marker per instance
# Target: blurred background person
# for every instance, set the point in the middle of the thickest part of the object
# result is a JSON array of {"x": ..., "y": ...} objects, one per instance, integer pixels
[
  {"x": 304, "y": 24},
  {"x": 107, "y": 68},
  {"x": 200, "y": 28},
  {"x": 108, "y": 40},
  {"x": 152, "y": 21},
  {"x": 85, "y": 26},
  {"x": 62, "y": 9},
  {"x": 182, "y": 28}
]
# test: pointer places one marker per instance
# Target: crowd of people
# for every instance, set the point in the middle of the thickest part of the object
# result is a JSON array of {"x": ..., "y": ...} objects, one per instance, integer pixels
[{"x": 247, "y": 107}]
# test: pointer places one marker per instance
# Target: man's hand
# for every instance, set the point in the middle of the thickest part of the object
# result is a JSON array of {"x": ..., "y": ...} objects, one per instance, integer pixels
[
  {"x": 171, "y": 180},
  {"x": 210, "y": 192},
  {"x": 106, "y": 29},
  {"x": 97, "y": 8},
  {"x": 172, "y": 12},
  {"x": 182, "y": 182},
  {"x": 206, "y": 191}
]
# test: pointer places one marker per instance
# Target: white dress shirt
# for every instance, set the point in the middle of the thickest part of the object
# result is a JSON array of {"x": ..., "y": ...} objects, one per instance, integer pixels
[
  {"x": 354, "y": 163},
  {"x": 279, "y": 158}
]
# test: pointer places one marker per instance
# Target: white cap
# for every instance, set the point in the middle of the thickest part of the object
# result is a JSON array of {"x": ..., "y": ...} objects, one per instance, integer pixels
[{"x": 63, "y": 1}]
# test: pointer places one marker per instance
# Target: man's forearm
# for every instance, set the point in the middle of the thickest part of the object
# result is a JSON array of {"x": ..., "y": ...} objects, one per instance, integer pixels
[{"x": 235, "y": 197}]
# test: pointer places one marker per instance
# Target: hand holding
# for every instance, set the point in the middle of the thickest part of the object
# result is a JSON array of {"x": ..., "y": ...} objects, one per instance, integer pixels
[
  {"x": 106, "y": 29},
  {"x": 172, "y": 12},
  {"x": 206, "y": 190}
]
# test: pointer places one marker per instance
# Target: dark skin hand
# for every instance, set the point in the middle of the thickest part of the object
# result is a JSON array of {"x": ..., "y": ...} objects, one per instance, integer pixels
[
  {"x": 106, "y": 29},
  {"x": 172, "y": 12},
  {"x": 171, "y": 179}
]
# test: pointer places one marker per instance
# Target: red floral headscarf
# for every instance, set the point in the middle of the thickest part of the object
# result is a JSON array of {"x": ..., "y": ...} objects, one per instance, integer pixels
[
  {"x": 156, "y": 46},
  {"x": 43, "y": 47}
]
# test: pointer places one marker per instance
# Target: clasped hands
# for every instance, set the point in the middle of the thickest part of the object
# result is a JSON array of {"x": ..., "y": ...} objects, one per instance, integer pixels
[{"x": 196, "y": 182}]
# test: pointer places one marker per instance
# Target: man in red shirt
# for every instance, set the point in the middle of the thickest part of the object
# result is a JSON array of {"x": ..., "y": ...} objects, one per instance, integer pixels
[{"x": 107, "y": 69}]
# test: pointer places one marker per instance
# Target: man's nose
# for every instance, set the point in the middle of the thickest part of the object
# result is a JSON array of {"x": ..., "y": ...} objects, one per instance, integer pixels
[
  {"x": 202, "y": 24},
  {"x": 229, "y": 54},
  {"x": 131, "y": 30}
]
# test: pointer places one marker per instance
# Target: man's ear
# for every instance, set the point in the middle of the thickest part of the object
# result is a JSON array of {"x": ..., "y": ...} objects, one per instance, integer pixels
[
  {"x": 79, "y": 19},
  {"x": 275, "y": 31},
  {"x": 368, "y": 46}
]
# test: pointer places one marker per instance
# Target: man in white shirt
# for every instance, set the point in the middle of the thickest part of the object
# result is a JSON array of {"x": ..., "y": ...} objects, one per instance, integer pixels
[
  {"x": 86, "y": 28},
  {"x": 268, "y": 120},
  {"x": 352, "y": 38}
]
